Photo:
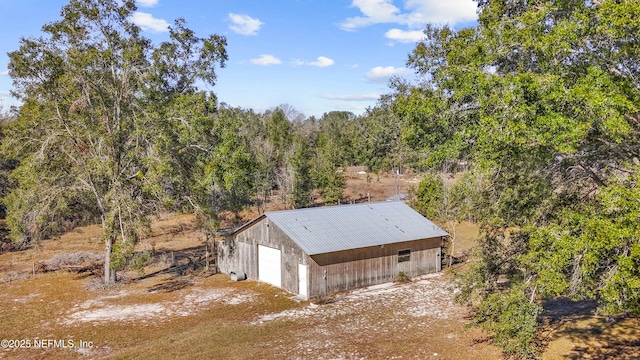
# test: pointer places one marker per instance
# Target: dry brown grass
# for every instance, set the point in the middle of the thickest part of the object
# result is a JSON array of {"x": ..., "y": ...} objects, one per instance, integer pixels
[
  {"x": 379, "y": 186},
  {"x": 228, "y": 327},
  {"x": 596, "y": 338}
]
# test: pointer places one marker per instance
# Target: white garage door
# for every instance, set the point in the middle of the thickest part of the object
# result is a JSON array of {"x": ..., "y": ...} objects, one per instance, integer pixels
[{"x": 269, "y": 265}]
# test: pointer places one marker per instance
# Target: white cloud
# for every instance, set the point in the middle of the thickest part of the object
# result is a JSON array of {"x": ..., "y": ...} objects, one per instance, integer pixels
[
  {"x": 266, "y": 59},
  {"x": 353, "y": 107},
  {"x": 352, "y": 97},
  {"x": 148, "y": 22},
  {"x": 416, "y": 14},
  {"x": 375, "y": 11},
  {"x": 147, "y": 3},
  {"x": 404, "y": 36},
  {"x": 322, "y": 61},
  {"x": 4, "y": 72},
  {"x": 5, "y": 92},
  {"x": 244, "y": 24},
  {"x": 442, "y": 12},
  {"x": 382, "y": 74}
]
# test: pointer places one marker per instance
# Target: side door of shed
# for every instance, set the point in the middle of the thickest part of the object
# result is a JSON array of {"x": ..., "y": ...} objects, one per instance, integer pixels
[{"x": 302, "y": 280}]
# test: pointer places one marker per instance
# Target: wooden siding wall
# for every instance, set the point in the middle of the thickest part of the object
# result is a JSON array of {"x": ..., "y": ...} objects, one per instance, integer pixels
[
  {"x": 330, "y": 272},
  {"x": 241, "y": 253},
  {"x": 357, "y": 268}
]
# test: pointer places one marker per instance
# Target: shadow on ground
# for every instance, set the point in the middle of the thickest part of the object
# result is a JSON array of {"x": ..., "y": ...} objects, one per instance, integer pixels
[
  {"x": 181, "y": 263},
  {"x": 604, "y": 340},
  {"x": 562, "y": 309},
  {"x": 171, "y": 285},
  {"x": 588, "y": 335}
]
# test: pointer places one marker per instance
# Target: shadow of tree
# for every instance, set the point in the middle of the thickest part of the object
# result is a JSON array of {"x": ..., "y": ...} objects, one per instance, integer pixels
[
  {"x": 591, "y": 336},
  {"x": 603, "y": 340},
  {"x": 171, "y": 285},
  {"x": 562, "y": 310},
  {"x": 182, "y": 263}
]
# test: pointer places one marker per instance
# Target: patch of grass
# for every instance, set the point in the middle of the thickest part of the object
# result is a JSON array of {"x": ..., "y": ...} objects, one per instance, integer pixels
[
  {"x": 402, "y": 278},
  {"x": 324, "y": 300},
  {"x": 13, "y": 276}
]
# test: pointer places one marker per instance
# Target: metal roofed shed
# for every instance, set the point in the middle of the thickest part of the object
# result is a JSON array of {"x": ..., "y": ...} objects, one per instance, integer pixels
[
  {"x": 337, "y": 228},
  {"x": 316, "y": 251}
]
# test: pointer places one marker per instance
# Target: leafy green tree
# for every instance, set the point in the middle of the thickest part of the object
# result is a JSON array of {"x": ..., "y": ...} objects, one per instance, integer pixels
[
  {"x": 252, "y": 131},
  {"x": 331, "y": 153},
  {"x": 266, "y": 166},
  {"x": 376, "y": 140},
  {"x": 447, "y": 202},
  {"x": 430, "y": 197},
  {"x": 6, "y": 165},
  {"x": 511, "y": 316},
  {"x": 302, "y": 181},
  {"x": 179, "y": 176},
  {"x": 279, "y": 131},
  {"x": 328, "y": 176},
  {"x": 543, "y": 100},
  {"x": 335, "y": 134},
  {"x": 231, "y": 167},
  {"x": 93, "y": 129},
  {"x": 279, "y": 140}
]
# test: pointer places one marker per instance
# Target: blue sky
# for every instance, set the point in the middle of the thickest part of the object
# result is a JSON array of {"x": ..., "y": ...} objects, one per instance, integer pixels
[{"x": 315, "y": 55}]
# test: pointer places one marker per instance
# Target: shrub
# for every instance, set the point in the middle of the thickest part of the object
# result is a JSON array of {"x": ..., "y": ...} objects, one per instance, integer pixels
[
  {"x": 140, "y": 260},
  {"x": 78, "y": 261},
  {"x": 512, "y": 318},
  {"x": 402, "y": 278},
  {"x": 430, "y": 196}
]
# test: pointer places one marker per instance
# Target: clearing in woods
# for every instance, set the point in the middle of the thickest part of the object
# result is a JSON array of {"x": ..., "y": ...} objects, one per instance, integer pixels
[{"x": 174, "y": 309}]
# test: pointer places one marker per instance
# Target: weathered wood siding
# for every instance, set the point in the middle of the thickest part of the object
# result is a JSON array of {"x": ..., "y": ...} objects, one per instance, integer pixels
[
  {"x": 330, "y": 272},
  {"x": 241, "y": 252},
  {"x": 350, "y": 269}
]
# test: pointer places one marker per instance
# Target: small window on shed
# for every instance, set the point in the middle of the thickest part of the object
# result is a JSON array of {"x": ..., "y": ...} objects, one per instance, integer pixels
[{"x": 404, "y": 255}]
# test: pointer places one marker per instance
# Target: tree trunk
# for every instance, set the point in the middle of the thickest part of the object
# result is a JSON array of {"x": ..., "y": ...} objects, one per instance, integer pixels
[
  {"x": 453, "y": 246},
  {"x": 107, "y": 262},
  {"x": 453, "y": 242}
]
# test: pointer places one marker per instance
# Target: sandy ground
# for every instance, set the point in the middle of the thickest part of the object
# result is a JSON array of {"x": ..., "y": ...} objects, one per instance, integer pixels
[
  {"x": 427, "y": 297},
  {"x": 349, "y": 325},
  {"x": 105, "y": 308}
]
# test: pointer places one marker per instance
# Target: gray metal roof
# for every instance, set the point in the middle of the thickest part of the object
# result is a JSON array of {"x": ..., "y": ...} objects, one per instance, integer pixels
[{"x": 336, "y": 228}]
